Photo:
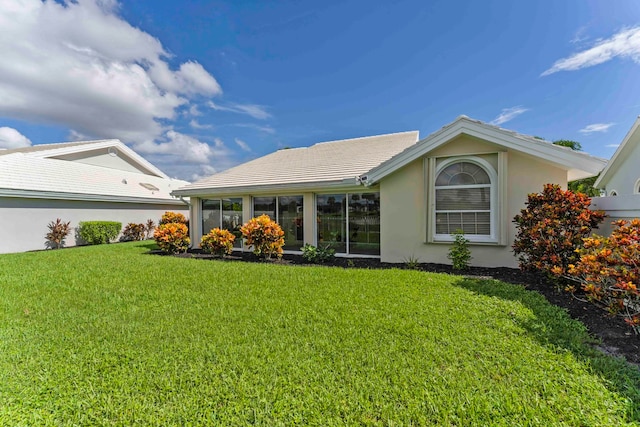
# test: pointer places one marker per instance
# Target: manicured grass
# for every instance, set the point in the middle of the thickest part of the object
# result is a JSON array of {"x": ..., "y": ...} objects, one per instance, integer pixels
[{"x": 109, "y": 335}]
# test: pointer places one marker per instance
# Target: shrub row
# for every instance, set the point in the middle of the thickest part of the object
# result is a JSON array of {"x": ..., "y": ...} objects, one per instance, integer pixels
[
  {"x": 554, "y": 236},
  {"x": 97, "y": 232}
]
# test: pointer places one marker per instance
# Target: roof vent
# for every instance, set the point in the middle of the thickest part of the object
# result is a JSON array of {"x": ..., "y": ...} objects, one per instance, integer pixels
[
  {"x": 149, "y": 187},
  {"x": 124, "y": 180}
]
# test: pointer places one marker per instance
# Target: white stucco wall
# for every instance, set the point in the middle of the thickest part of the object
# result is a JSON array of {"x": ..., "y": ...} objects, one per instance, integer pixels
[
  {"x": 627, "y": 171},
  {"x": 617, "y": 207},
  {"x": 403, "y": 202},
  {"x": 26, "y": 220}
]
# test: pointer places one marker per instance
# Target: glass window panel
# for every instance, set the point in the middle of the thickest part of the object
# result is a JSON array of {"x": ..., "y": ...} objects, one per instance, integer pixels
[
  {"x": 232, "y": 218},
  {"x": 291, "y": 219},
  {"x": 364, "y": 223},
  {"x": 264, "y": 206},
  {"x": 462, "y": 173},
  {"x": 452, "y": 199},
  {"x": 210, "y": 215},
  {"x": 332, "y": 222}
]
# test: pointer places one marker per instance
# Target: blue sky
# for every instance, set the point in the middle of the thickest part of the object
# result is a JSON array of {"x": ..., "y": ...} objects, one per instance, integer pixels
[{"x": 197, "y": 87}]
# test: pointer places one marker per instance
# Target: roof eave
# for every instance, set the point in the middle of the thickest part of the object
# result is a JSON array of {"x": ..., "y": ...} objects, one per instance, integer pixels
[
  {"x": 54, "y": 195},
  {"x": 246, "y": 189},
  {"x": 604, "y": 177}
]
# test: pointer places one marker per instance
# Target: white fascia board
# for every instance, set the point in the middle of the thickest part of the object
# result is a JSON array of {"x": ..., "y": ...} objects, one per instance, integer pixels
[
  {"x": 351, "y": 183},
  {"x": 543, "y": 150},
  {"x": 604, "y": 177},
  {"x": 28, "y": 194}
]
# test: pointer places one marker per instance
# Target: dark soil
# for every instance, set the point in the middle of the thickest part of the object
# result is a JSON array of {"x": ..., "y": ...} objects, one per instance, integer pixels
[{"x": 616, "y": 337}]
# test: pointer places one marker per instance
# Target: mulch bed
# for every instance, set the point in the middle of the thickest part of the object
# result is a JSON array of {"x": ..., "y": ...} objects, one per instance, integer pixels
[{"x": 616, "y": 337}]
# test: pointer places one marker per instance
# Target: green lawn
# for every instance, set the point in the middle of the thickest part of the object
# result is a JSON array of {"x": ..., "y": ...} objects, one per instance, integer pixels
[{"x": 109, "y": 335}]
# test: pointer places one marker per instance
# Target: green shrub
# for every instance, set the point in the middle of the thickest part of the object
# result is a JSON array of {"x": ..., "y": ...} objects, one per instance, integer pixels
[
  {"x": 172, "y": 238},
  {"x": 459, "y": 253},
  {"x": 317, "y": 255},
  {"x": 58, "y": 231},
  {"x": 133, "y": 232},
  {"x": 218, "y": 242},
  {"x": 98, "y": 232}
]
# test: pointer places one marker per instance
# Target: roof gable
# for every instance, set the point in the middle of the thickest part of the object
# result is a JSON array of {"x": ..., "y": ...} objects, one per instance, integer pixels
[
  {"x": 578, "y": 164},
  {"x": 630, "y": 142}
]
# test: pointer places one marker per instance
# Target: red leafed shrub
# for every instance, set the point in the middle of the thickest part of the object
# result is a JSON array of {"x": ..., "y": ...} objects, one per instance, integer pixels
[
  {"x": 265, "y": 235},
  {"x": 173, "y": 217},
  {"x": 58, "y": 231},
  {"x": 133, "y": 232},
  {"x": 218, "y": 241},
  {"x": 609, "y": 271},
  {"x": 551, "y": 227},
  {"x": 172, "y": 237}
]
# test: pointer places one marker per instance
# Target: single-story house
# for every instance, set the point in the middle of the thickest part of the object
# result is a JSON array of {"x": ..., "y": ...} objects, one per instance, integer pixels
[
  {"x": 620, "y": 181},
  {"x": 78, "y": 181},
  {"x": 393, "y": 196}
]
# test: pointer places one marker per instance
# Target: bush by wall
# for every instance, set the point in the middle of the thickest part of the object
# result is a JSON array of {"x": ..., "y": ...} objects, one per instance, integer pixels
[
  {"x": 218, "y": 242},
  {"x": 98, "y": 232},
  {"x": 551, "y": 227},
  {"x": 172, "y": 237},
  {"x": 459, "y": 253},
  {"x": 58, "y": 231},
  {"x": 133, "y": 232},
  {"x": 265, "y": 235},
  {"x": 608, "y": 270}
]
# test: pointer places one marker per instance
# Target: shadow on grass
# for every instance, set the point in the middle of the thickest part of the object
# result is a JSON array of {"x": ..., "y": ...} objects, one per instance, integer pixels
[
  {"x": 148, "y": 244},
  {"x": 552, "y": 326}
]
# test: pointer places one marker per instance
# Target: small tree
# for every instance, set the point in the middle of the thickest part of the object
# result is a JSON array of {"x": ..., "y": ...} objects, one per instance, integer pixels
[
  {"x": 58, "y": 231},
  {"x": 551, "y": 227},
  {"x": 265, "y": 235}
]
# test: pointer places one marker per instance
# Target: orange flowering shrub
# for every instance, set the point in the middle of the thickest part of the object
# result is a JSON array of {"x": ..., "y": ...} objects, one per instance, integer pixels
[
  {"x": 218, "y": 241},
  {"x": 173, "y": 217},
  {"x": 265, "y": 235},
  {"x": 609, "y": 271},
  {"x": 551, "y": 227},
  {"x": 172, "y": 238}
]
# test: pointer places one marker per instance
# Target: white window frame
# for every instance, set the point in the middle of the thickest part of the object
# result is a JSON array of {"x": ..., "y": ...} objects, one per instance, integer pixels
[
  {"x": 636, "y": 187},
  {"x": 613, "y": 193},
  {"x": 493, "y": 236}
]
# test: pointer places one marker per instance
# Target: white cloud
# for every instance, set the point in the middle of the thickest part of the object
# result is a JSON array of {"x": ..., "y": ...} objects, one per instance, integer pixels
[
  {"x": 612, "y": 145},
  {"x": 11, "y": 138},
  {"x": 596, "y": 127},
  {"x": 265, "y": 129},
  {"x": 243, "y": 145},
  {"x": 194, "y": 124},
  {"x": 183, "y": 147},
  {"x": 79, "y": 65},
  {"x": 253, "y": 110},
  {"x": 624, "y": 44},
  {"x": 508, "y": 114}
]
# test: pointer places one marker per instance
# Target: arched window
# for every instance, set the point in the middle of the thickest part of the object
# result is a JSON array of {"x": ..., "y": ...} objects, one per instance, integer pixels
[
  {"x": 636, "y": 188},
  {"x": 465, "y": 199},
  {"x": 613, "y": 193}
]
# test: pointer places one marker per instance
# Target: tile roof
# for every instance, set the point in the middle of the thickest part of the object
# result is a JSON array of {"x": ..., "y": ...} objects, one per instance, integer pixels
[
  {"x": 26, "y": 173},
  {"x": 323, "y": 162},
  {"x": 46, "y": 147}
]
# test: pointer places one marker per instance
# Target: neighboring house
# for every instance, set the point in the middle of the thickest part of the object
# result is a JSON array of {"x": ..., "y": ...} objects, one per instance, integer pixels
[
  {"x": 620, "y": 181},
  {"x": 78, "y": 181},
  {"x": 393, "y": 196}
]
